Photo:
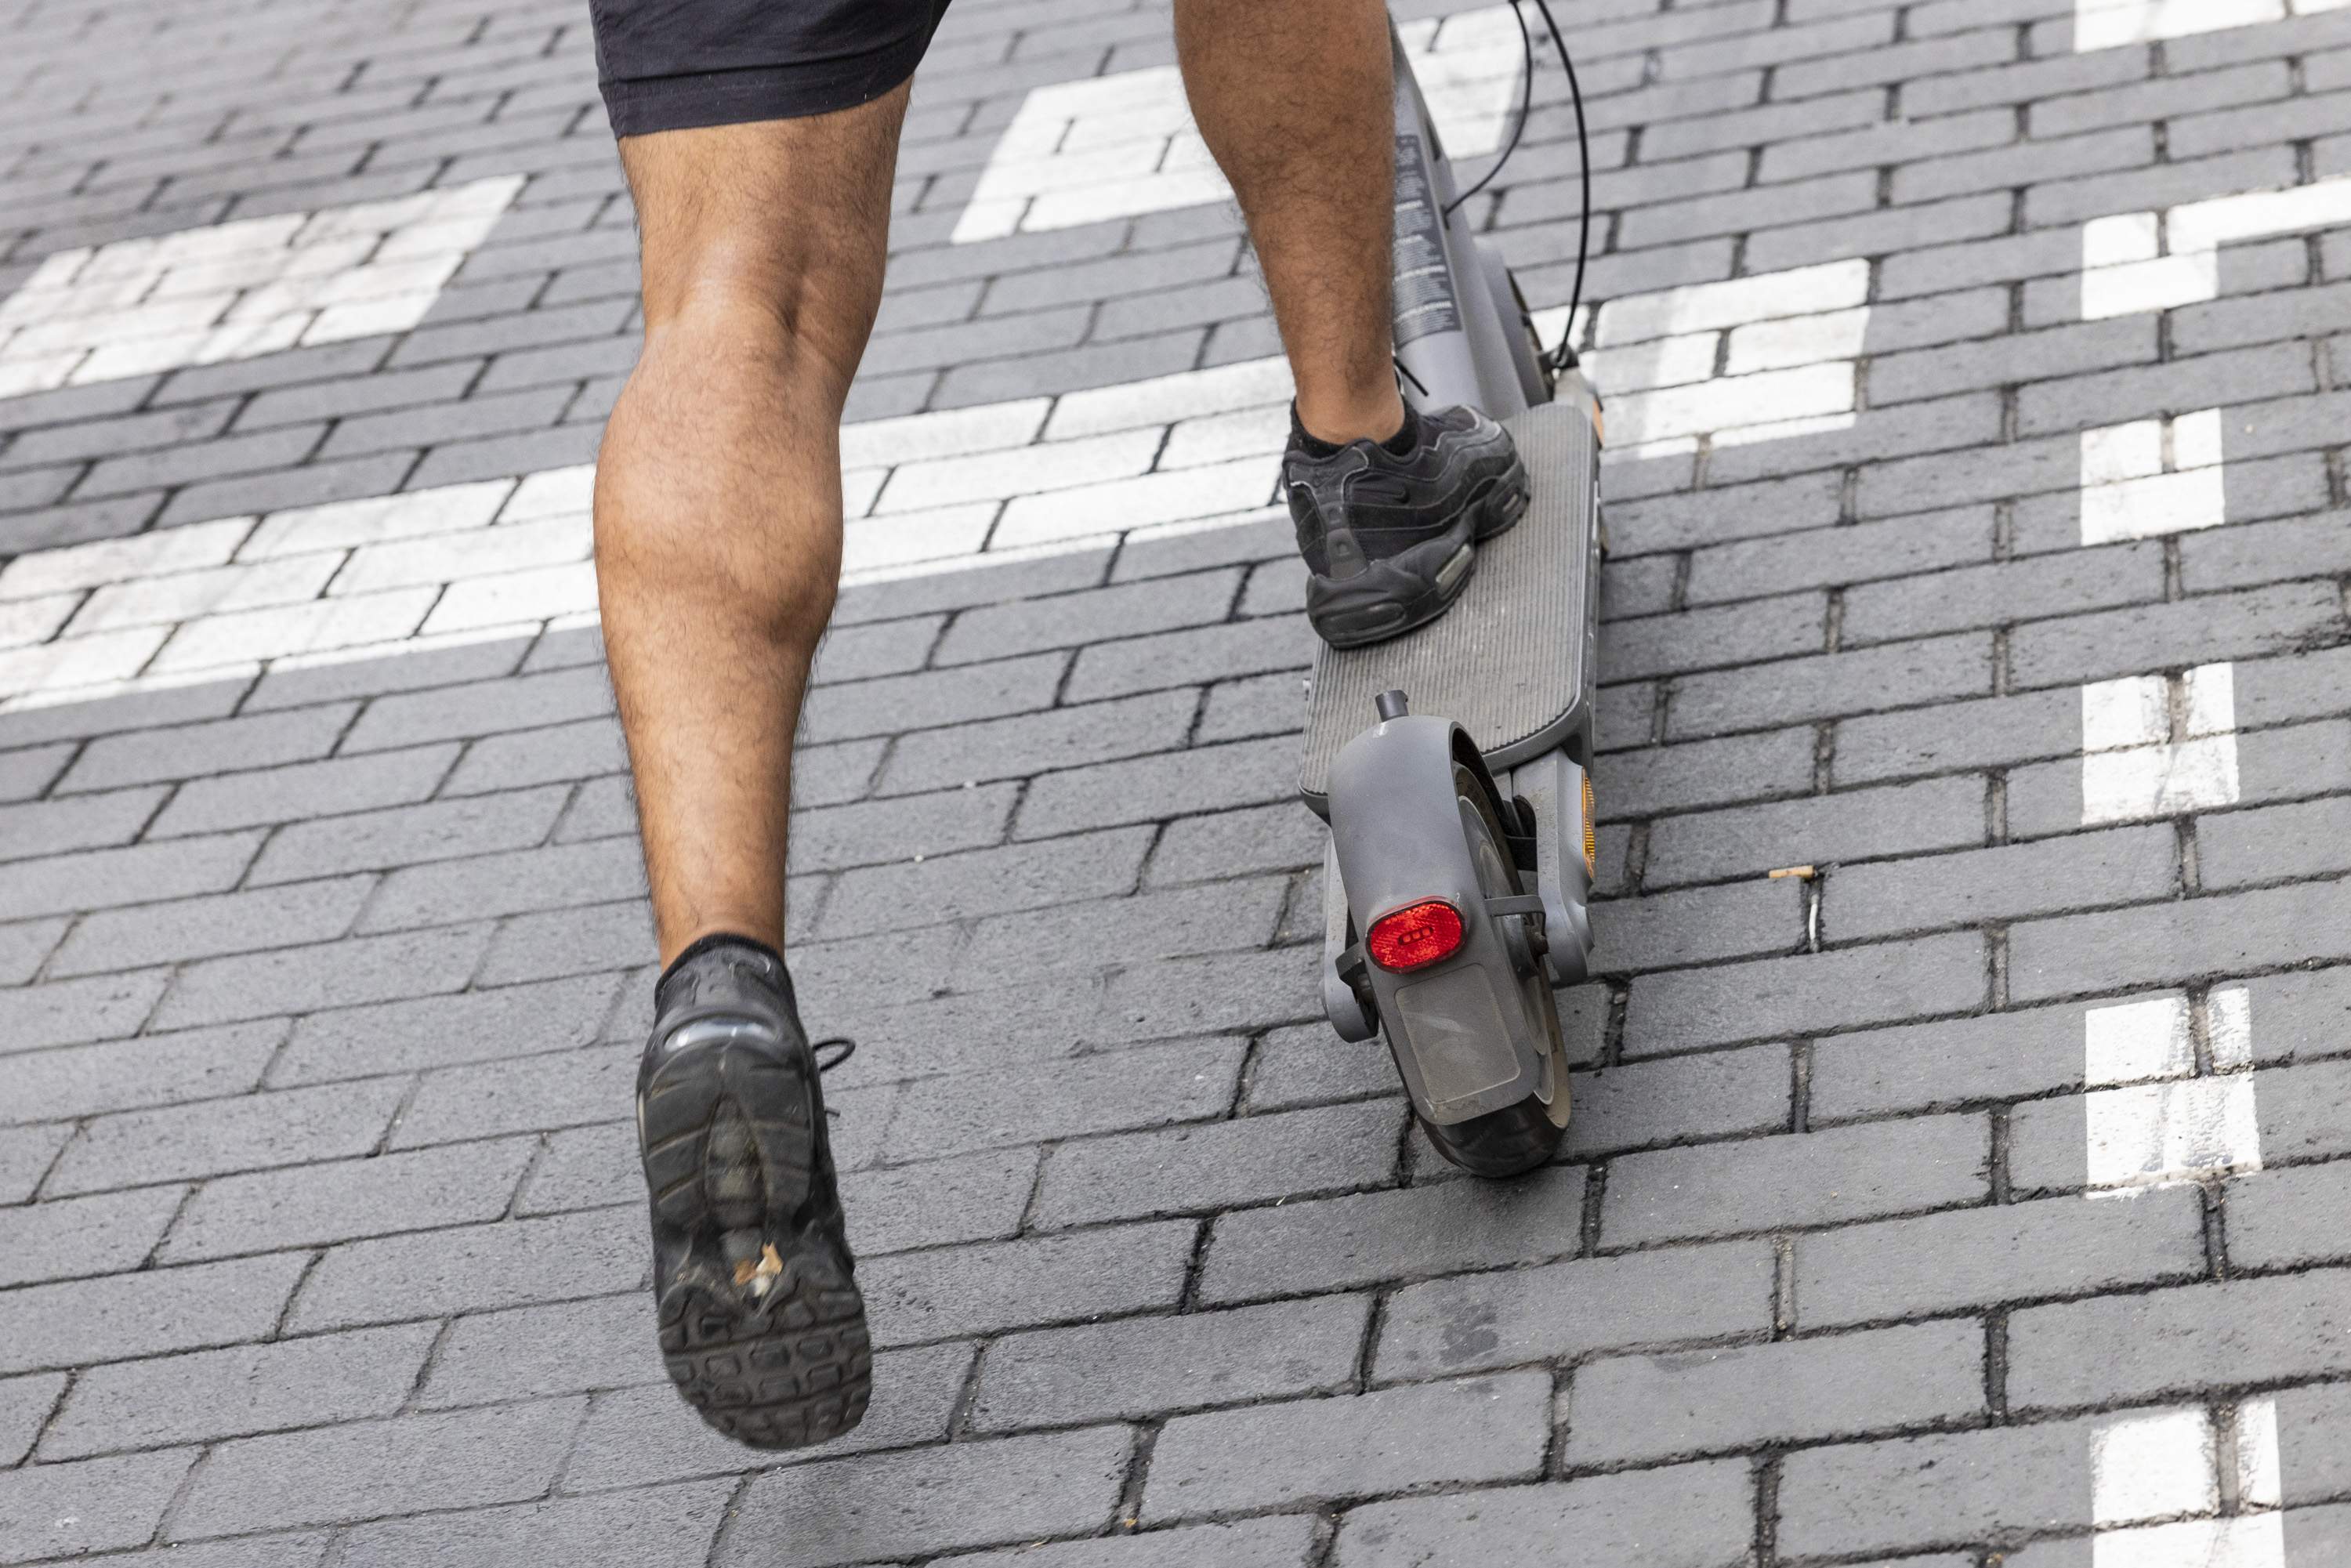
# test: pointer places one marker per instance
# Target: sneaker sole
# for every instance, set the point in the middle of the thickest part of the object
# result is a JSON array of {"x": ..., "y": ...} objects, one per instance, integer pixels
[
  {"x": 1394, "y": 598},
  {"x": 783, "y": 1369}
]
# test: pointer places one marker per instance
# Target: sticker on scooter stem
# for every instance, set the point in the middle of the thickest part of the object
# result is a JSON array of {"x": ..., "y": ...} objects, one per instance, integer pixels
[{"x": 1424, "y": 284}]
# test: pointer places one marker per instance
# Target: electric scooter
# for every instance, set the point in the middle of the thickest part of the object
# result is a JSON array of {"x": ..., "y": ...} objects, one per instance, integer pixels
[{"x": 1453, "y": 763}]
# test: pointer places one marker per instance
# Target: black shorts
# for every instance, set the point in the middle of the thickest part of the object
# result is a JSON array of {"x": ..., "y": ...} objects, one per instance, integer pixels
[{"x": 668, "y": 65}]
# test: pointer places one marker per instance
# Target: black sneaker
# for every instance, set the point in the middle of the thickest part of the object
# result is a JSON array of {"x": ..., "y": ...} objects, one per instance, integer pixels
[
  {"x": 760, "y": 1320},
  {"x": 1388, "y": 535}
]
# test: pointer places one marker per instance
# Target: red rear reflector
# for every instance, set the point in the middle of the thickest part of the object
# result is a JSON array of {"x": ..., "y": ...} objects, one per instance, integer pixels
[{"x": 1415, "y": 937}]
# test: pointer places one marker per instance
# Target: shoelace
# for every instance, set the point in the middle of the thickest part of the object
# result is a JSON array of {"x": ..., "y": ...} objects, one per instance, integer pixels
[{"x": 848, "y": 1049}]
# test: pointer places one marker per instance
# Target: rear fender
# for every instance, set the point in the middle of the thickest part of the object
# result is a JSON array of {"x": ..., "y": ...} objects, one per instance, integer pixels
[{"x": 1460, "y": 1029}]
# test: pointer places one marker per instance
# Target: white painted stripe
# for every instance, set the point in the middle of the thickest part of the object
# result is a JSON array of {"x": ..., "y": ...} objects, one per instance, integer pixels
[
  {"x": 1123, "y": 145},
  {"x": 2151, "y": 1119},
  {"x": 2112, "y": 23},
  {"x": 2148, "y": 478},
  {"x": 2135, "y": 262},
  {"x": 2241, "y": 1540},
  {"x": 924, "y": 493},
  {"x": 232, "y": 291},
  {"x": 2149, "y": 750}
]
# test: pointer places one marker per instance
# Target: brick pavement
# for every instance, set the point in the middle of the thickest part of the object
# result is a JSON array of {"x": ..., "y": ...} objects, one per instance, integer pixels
[{"x": 1980, "y": 374}]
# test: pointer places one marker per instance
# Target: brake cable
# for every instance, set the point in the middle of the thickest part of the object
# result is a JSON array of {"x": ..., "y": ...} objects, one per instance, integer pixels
[{"x": 1563, "y": 356}]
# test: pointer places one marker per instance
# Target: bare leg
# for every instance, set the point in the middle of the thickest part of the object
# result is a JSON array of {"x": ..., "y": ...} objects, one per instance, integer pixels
[
  {"x": 719, "y": 488},
  {"x": 1294, "y": 97}
]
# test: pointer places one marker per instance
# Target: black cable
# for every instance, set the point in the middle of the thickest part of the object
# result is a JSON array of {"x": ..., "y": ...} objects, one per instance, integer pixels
[
  {"x": 1564, "y": 355},
  {"x": 1526, "y": 109}
]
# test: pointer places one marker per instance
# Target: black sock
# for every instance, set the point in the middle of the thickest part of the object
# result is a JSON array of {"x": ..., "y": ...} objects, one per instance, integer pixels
[
  {"x": 1401, "y": 444},
  {"x": 702, "y": 944}
]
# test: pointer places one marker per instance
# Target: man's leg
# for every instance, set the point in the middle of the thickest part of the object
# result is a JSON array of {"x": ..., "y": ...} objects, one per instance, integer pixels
[
  {"x": 719, "y": 489},
  {"x": 1296, "y": 100},
  {"x": 717, "y": 551}
]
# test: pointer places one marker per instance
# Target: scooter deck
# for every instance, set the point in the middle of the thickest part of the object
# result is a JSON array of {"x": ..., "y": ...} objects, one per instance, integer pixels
[{"x": 1511, "y": 660}]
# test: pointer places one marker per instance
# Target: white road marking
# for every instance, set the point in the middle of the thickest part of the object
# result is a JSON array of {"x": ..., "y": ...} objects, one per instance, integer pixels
[
  {"x": 2152, "y": 748},
  {"x": 2111, "y": 23},
  {"x": 235, "y": 290},
  {"x": 2147, "y": 478},
  {"x": 2163, "y": 1464},
  {"x": 925, "y": 493},
  {"x": 2134, "y": 262},
  {"x": 1123, "y": 145},
  {"x": 2152, "y": 1119}
]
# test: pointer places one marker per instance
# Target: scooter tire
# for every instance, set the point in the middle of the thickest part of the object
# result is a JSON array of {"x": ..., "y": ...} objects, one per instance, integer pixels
[{"x": 1517, "y": 1138}]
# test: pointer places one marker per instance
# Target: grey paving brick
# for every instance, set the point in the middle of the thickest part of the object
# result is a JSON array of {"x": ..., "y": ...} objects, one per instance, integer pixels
[
  {"x": 1855, "y": 680},
  {"x": 1484, "y": 1429},
  {"x": 1033, "y": 744},
  {"x": 528, "y": 1093},
  {"x": 71, "y": 1011},
  {"x": 97, "y": 879},
  {"x": 1802, "y": 1179},
  {"x": 1308, "y": 1065},
  {"x": 1142, "y": 1366},
  {"x": 1848, "y": 553},
  {"x": 667, "y": 1524},
  {"x": 304, "y": 789},
  {"x": 84, "y": 1322},
  {"x": 27, "y": 773},
  {"x": 1851, "y": 825},
  {"x": 1631, "y": 784},
  {"x": 1989, "y": 732},
  {"x": 992, "y": 1286},
  {"x": 54, "y": 1240},
  {"x": 1737, "y": 921},
  {"x": 519, "y": 883},
  {"x": 24, "y": 945},
  {"x": 1703, "y": 639},
  {"x": 249, "y": 1131},
  {"x": 2163, "y": 943},
  {"x": 1279, "y": 837},
  {"x": 1811, "y": 993},
  {"x": 68, "y": 1511},
  {"x": 361, "y": 969},
  {"x": 1067, "y": 369},
  {"x": 2282, "y": 842},
  {"x": 215, "y": 1393},
  {"x": 1980, "y": 1257},
  {"x": 25, "y": 1155},
  {"x": 399, "y": 836},
  {"x": 207, "y": 927},
  {"x": 1219, "y": 916},
  {"x": 634, "y": 1436},
  {"x": 1002, "y": 631},
  {"x": 1220, "y": 1165},
  {"x": 962, "y": 1494},
  {"x": 1191, "y": 655},
  {"x": 1698, "y": 1402},
  {"x": 2117, "y": 866},
  {"x": 26, "y": 1404},
  {"x": 1146, "y": 789},
  {"x": 2177, "y": 1342},
  {"x": 417, "y": 670},
  {"x": 472, "y": 1269},
  {"x": 1567, "y": 1312},
  {"x": 2199, "y": 630},
  {"x": 1341, "y": 1242},
  {"x": 484, "y": 707},
  {"x": 57, "y": 826},
  {"x": 979, "y": 1196},
  {"x": 368, "y": 1468},
  {"x": 536, "y": 1352},
  {"x": 1243, "y": 991},
  {"x": 965, "y": 694},
  {"x": 2004, "y": 593},
  {"x": 338, "y": 1201},
  {"x": 590, "y": 748},
  {"x": 1683, "y": 522},
  {"x": 1932, "y": 1066},
  {"x": 1675, "y": 1100},
  {"x": 586, "y": 1167},
  {"x": 1276, "y": 1542},
  {"x": 2279, "y": 1218},
  {"x": 1680, "y": 1516},
  {"x": 1260, "y": 705},
  {"x": 985, "y": 882},
  {"x": 437, "y": 1031}
]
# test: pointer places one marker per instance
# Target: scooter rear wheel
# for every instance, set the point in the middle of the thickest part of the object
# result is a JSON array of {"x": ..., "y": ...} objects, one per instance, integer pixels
[{"x": 1516, "y": 1138}]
